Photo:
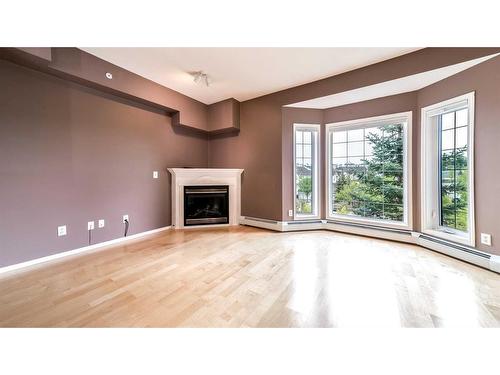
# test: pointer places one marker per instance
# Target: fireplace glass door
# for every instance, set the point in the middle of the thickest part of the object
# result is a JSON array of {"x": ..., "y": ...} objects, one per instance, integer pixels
[{"x": 206, "y": 204}]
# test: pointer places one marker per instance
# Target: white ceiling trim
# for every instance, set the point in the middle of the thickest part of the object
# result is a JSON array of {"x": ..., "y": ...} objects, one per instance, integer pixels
[{"x": 387, "y": 88}]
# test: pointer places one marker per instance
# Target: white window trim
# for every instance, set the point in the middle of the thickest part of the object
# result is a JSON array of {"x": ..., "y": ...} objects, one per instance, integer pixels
[
  {"x": 407, "y": 223},
  {"x": 427, "y": 192},
  {"x": 316, "y": 176}
]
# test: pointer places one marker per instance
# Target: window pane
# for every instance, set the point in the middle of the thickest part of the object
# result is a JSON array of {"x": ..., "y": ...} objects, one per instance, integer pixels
[
  {"x": 355, "y": 135},
  {"x": 306, "y": 144},
  {"x": 461, "y": 137},
  {"x": 373, "y": 132},
  {"x": 355, "y": 149},
  {"x": 461, "y": 220},
  {"x": 448, "y": 121},
  {"x": 448, "y": 219},
  {"x": 298, "y": 151},
  {"x": 462, "y": 117},
  {"x": 339, "y": 161},
  {"x": 394, "y": 212},
  {"x": 448, "y": 160},
  {"x": 339, "y": 136},
  {"x": 368, "y": 148},
  {"x": 453, "y": 182},
  {"x": 298, "y": 136},
  {"x": 339, "y": 150},
  {"x": 374, "y": 210},
  {"x": 448, "y": 139},
  {"x": 307, "y": 137},
  {"x": 371, "y": 184},
  {"x": 307, "y": 151},
  {"x": 355, "y": 160}
]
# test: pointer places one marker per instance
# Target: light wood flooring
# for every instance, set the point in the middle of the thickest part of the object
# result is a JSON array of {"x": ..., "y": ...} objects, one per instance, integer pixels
[{"x": 248, "y": 277}]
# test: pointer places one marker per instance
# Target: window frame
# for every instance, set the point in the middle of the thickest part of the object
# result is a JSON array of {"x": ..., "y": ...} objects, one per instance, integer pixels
[
  {"x": 429, "y": 188},
  {"x": 315, "y": 161},
  {"x": 407, "y": 223}
]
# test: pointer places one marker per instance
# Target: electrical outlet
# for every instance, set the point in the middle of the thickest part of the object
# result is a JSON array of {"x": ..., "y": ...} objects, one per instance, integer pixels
[
  {"x": 125, "y": 217},
  {"x": 90, "y": 225},
  {"x": 290, "y": 213},
  {"x": 61, "y": 231},
  {"x": 101, "y": 223},
  {"x": 486, "y": 239},
  {"x": 155, "y": 174}
]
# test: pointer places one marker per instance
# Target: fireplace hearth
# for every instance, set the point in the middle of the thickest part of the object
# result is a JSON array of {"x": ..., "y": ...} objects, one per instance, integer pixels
[{"x": 206, "y": 204}]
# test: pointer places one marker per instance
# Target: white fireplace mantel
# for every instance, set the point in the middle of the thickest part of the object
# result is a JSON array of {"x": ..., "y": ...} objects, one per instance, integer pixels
[{"x": 205, "y": 176}]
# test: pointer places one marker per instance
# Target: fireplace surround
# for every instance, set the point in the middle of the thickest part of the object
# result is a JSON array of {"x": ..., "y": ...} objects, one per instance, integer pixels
[{"x": 199, "y": 208}]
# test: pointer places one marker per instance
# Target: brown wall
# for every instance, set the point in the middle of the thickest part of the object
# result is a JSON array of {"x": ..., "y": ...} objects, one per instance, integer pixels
[
  {"x": 484, "y": 79},
  {"x": 224, "y": 116},
  {"x": 290, "y": 117},
  {"x": 70, "y": 154},
  {"x": 257, "y": 149},
  {"x": 258, "y": 146}
]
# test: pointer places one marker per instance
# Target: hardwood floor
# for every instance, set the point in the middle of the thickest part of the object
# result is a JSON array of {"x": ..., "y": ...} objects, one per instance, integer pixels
[{"x": 248, "y": 277}]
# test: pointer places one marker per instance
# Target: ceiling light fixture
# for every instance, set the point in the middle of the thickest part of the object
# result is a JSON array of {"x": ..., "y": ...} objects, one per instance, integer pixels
[{"x": 200, "y": 77}]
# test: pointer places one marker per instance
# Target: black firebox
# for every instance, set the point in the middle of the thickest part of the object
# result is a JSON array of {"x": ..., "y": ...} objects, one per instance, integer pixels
[{"x": 206, "y": 204}]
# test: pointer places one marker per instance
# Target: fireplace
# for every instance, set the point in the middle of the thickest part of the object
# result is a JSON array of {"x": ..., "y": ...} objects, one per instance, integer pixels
[{"x": 206, "y": 204}]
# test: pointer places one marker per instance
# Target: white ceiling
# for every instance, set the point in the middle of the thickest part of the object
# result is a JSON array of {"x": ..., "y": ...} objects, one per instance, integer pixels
[
  {"x": 241, "y": 73},
  {"x": 387, "y": 88}
]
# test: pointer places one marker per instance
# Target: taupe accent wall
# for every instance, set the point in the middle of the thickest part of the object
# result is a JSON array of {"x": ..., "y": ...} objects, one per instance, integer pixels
[
  {"x": 70, "y": 154},
  {"x": 258, "y": 147},
  {"x": 484, "y": 79}
]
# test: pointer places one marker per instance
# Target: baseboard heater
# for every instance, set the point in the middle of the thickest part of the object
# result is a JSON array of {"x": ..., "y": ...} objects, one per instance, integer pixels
[
  {"x": 371, "y": 227},
  {"x": 302, "y": 222},
  {"x": 465, "y": 253}
]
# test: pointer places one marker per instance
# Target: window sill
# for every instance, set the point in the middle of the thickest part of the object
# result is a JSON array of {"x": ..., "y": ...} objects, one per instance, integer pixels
[
  {"x": 457, "y": 238},
  {"x": 372, "y": 222}
]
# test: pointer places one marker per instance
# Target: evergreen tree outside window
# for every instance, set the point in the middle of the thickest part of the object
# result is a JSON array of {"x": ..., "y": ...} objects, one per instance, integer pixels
[{"x": 368, "y": 170}]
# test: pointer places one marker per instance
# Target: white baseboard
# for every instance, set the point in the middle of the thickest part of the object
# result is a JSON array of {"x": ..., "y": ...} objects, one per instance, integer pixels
[
  {"x": 80, "y": 250},
  {"x": 479, "y": 258},
  {"x": 292, "y": 226},
  {"x": 262, "y": 223}
]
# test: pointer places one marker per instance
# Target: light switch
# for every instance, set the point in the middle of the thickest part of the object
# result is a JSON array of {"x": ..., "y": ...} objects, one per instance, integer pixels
[
  {"x": 101, "y": 223},
  {"x": 155, "y": 174}
]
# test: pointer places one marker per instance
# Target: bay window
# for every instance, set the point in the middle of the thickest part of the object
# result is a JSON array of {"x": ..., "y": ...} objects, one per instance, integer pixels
[
  {"x": 368, "y": 170},
  {"x": 306, "y": 171},
  {"x": 447, "y": 169}
]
